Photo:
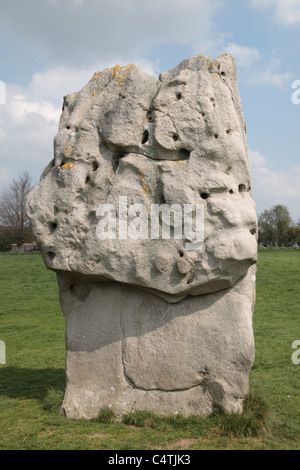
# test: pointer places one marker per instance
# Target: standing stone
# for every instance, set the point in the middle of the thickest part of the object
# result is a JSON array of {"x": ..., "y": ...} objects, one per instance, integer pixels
[
  {"x": 158, "y": 316},
  {"x": 2, "y": 352}
]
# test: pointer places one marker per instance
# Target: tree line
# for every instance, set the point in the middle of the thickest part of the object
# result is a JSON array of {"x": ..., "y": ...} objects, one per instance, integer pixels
[
  {"x": 275, "y": 225},
  {"x": 277, "y": 228}
]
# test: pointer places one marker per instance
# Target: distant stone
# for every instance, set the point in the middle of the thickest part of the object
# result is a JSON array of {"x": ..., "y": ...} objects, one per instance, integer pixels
[
  {"x": 2, "y": 352},
  {"x": 154, "y": 323}
]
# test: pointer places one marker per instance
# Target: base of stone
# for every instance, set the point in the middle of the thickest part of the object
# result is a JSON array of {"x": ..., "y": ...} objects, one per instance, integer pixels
[{"x": 128, "y": 349}]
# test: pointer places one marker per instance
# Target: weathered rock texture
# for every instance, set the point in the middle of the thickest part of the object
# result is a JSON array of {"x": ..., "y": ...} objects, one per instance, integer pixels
[{"x": 152, "y": 324}]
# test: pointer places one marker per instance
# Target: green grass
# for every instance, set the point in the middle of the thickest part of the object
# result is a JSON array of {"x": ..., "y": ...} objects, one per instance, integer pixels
[{"x": 33, "y": 380}]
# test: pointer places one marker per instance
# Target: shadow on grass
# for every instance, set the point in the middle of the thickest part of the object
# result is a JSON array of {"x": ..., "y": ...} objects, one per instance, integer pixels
[{"x": 17, "y": 382}]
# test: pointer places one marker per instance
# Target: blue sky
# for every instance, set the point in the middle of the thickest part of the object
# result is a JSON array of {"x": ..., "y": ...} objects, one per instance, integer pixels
[{"x": 49, "y": 48}]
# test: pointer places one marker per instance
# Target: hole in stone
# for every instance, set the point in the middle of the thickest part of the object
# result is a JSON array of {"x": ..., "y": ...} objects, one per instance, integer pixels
[
  {"x": 87, "y": 179},
  {"x": 68, "y": 127},
  {"x": 178, "y": 95},
  {"x": 228, "y": 131},
  {"x": 145, "y": 136},
  {"x": 205, "y": 195},
  {"x": 162, "y": 200},
  {"x": 253, "y": 231},
  {"x": 181, "y": 254},
  {"x": 51, "y": 255},
  {"x": 175, "y": 137},
  {"x": 202, "y": 114},
  {"x": 116, "y": 160},
  {"x": 150, "y": 116},
  {"x": 95, "y": 166},
  {"x": 223, "y": 74},
  {"x": 216, "y": 136},
  {"x": 184, "y": 154},
  {"x": 242, "y": 188},
  {"x": 204, "y": 372},
  {"x": 231, "y": 191},
  {"x": 52, "y": 227},
  {"x": 212, "y": 99}
]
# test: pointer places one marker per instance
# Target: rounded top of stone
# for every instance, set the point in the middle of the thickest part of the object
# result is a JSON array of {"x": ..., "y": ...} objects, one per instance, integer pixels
[{"x": 131, "y": 144}]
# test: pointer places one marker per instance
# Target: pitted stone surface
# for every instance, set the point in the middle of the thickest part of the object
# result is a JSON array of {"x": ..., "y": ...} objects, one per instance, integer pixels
[
  {"x": 152, "y": 323},
  {"x": 179, "y": 139}
]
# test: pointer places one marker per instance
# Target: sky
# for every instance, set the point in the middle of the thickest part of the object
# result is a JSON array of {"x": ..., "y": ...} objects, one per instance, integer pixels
[{"x": 50, "y": 48}]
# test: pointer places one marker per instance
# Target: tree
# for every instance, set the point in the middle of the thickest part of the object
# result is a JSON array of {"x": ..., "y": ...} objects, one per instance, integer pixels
[
  {"x": 13, "y": 218},
  {"x": 294, "y": 235},
  {"x": 274, "y": 225}
]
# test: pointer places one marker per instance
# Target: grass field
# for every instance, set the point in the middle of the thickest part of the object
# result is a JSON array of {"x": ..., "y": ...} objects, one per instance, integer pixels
[{"x": 33, "y": 379}]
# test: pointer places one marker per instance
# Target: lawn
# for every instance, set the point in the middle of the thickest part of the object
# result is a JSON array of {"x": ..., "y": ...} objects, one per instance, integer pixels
[{"x": 33, "y": 379}]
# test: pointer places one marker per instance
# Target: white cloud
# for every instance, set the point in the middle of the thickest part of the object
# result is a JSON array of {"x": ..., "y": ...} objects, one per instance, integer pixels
[
  {"x": 21, "y": 106},
  {"x": 271, "y": 76},
  {"x": 256, "y": 72},
  {"x": 274, "y": 187},
  {"x": 28, "y": 124},
  {"x": 82, "y": 32},
  {"x": 244, "y": 56},
  {"x": 28, "y": 129},
  {"x": 285, "y": 12}
]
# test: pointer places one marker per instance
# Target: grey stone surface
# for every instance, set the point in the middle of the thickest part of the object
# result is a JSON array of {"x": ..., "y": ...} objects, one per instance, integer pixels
[
  {"x": 129, "y": 349},
  {"x": 152, "y": 324}
]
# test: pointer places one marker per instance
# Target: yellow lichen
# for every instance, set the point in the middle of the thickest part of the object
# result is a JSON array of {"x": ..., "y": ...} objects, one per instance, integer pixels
[
  {"x": 97, "y": 75},
  {"x": 201, "y": 56},
  {"x": 141, "y": 174},
  {"x": 120, "y": 75},
  {"x": 145, "y": 187},
  {"x": 116, "y": 70},
  {"x": 69, "y": 165},
  {"x": 176, "y": 162},
  {"x": 68, "y": 152}
]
